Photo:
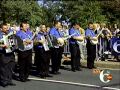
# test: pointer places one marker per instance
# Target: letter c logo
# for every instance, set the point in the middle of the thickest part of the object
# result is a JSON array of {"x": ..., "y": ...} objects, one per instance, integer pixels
[
  {"x": 116, "y": 45},
  {"x": 103, "y": 74}
]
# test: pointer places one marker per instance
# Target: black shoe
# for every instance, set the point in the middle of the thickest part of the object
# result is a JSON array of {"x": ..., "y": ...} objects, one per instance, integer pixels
[
  {"x": 52, "y": 72},
  {"x": 94, "y": 67},
  {"x": 22, "y": 80},
  {"x": 3, "y": 84},
  {"x": 28, "y": 80},
  {"x": 16, "y": 78},
  {"x": 43, "y": 77},
  {"x": 11, "y": 84},
  {"x": 48, "y": 75},
  {"x": 73, "y": 70},
  {"x": 78, "y": 69},
  {"x": 57, "y": 73},
  {"x": 90, "y": 67}
]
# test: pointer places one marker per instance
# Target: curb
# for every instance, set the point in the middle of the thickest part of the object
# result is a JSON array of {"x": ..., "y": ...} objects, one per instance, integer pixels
[
  {"x": 100, "y": 64},
  {"x": 104, "y": 64}
]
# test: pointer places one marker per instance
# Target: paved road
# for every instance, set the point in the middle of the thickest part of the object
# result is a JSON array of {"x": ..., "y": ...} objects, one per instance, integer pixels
[{"x": 68, "y": 80}]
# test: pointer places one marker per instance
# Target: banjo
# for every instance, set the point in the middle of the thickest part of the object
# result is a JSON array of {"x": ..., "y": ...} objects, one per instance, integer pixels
[
  {"x": 67, "y": 37},
  {"x": 82, "y": 41},
  {"x": 21, "y": 43},
  {"x": 55, "y": 42},
  {"x": 94, "y": 42}
]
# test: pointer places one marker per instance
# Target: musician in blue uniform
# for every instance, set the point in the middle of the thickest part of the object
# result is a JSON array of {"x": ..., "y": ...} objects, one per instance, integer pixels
[
  {"x": 56, "y": 51},
  {"x": 74, "y": 46},
  {"x": 7, "y": 59},
  {"x": 25, "y": 55},
  {"x": 91, "y": 49},
  {"x": 42, "y": 53}
]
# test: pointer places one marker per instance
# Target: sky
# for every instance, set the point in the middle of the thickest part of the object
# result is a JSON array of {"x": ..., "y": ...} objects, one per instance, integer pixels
[{"x": 40, "y": 2}]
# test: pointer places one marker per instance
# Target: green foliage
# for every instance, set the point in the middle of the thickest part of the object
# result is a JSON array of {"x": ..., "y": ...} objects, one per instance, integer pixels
[
  {"x": 111, "y": 8},
  {"x": 81, "y": 10},
  {"x": 20, "y": 10},
  {"x": 84, "y": 11}
]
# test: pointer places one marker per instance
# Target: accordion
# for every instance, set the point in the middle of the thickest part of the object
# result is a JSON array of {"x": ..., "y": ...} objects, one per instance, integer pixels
[{"x": 10, "y": 41}]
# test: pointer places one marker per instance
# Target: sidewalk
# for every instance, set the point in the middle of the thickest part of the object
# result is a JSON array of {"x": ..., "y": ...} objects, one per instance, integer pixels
[
  {"x": 101, "y": 64},
  {"x": 104, "y": 64}
]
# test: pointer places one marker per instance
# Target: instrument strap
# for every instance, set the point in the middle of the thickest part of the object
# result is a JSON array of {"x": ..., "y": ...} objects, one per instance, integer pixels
[
  {"x": 59, "y": 33},
  {"x": 78, "y": 32},
  {"x": 27, "y": 35}
]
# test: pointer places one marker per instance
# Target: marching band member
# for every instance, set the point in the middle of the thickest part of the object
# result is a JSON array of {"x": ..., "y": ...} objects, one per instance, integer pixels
[
  {"x": 91, "y": 49},
  {"x": 56, "y": 54},
  {"x": 7, "y": 60},
  {"x": 24, "y": 56},
  {"x": 74, "y": 46},
  {"x": 42, "y": 56}
]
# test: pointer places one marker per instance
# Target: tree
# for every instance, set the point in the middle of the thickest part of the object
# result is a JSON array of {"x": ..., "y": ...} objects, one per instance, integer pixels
[
  {"x": 111, "y": 8},
  {"x": 81, "y": 10},
  {"x": 17, "y": 11}
]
